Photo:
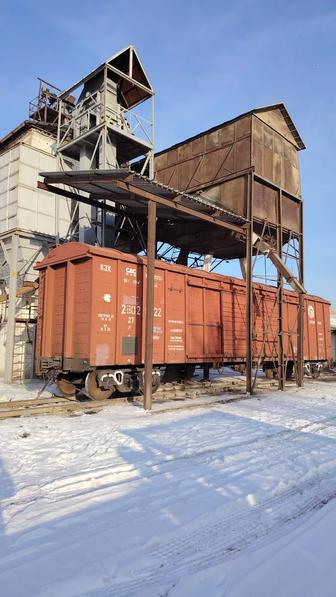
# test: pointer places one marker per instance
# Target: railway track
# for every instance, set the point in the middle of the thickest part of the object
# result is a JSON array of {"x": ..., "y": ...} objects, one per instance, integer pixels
[
  {"x": 48, "y": 406},
  {"x": 56, "y": 405}
]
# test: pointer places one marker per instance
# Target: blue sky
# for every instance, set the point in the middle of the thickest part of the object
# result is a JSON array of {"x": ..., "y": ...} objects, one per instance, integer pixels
[{"x": 208, "y": 62}]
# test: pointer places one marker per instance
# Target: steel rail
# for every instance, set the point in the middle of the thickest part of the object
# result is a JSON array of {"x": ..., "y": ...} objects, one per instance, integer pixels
[{"x": 169, "y": 391}]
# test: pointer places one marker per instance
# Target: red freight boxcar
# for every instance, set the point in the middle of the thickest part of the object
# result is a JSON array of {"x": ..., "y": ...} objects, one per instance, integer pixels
[{"x": 91, "y": 320}]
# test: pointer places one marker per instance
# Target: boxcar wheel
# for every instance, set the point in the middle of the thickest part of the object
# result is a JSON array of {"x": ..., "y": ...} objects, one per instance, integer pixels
[
  {"x": 93, "y": 390},
  {"x": 315, "y": 372},
  {"x": 65, "y": 387},
  {"x": 155, "y": 382}
]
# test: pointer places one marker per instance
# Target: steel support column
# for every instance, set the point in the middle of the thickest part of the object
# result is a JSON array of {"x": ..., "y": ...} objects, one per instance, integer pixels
[
  {"x": 151, "y": 157},
  {"x": 249, "y": 326},
  {"x": 10, "y": 335},
  {"x": 300, "y": 330},
  {"x": 280, "y": 298},
  {"x": 151, "y": 242}
]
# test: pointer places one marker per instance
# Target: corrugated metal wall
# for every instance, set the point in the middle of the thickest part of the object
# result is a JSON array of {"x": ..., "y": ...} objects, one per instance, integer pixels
[
  {"x": 261, "y": 140},
  {"x": 22, "y": 204}
]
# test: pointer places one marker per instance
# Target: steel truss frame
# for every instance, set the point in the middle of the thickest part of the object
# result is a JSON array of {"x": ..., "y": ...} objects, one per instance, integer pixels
[
  {"x": 96, "y": 124},
  {"x": 253, "y": 359},
  {"x": 44, "y": 108}
]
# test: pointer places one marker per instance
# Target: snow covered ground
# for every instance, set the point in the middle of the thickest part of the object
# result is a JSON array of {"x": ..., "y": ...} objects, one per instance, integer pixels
[
  {"x": 223, "y": 500},
  {"x": 24, "y": 391}
]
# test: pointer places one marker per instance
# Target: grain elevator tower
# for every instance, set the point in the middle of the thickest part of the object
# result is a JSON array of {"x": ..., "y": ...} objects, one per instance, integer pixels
[{"x": 106, "y": 121}]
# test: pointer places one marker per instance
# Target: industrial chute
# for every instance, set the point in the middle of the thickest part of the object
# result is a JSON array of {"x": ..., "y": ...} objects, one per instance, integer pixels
[{"x": 271, "y": 253}]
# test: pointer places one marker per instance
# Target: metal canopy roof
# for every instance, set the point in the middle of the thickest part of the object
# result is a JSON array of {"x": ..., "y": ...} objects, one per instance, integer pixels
[{"x": 184, "y": 220}]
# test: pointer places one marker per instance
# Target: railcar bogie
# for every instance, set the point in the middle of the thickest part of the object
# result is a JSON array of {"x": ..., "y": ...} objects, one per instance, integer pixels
[
  {"x": 313, "y": 369},
  {"x": 102, "y": 384}
]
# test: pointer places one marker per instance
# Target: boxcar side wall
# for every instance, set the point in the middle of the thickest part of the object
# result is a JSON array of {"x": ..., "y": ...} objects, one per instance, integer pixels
[
  {"x": 200, "y": 319},
  {"x": 187, "y": 316},
  {"x": 91, "y": 311},
  {"x": 204, "y": 328},
  {"x": 317, "y": 345}
]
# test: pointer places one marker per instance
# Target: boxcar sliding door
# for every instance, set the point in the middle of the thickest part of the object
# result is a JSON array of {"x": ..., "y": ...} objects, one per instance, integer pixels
[{"x": 204, "y": 324}]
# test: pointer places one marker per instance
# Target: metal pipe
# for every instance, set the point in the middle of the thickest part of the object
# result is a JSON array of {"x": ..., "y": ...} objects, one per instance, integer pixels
[{"x": 151, "y": 243}]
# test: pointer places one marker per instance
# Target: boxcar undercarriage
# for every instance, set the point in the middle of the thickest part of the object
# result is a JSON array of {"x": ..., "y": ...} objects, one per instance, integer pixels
[{"x": 105, "y": 383}]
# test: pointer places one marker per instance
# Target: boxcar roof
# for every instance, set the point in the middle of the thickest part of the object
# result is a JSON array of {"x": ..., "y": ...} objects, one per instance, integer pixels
[{"x": 77, "y": 250}]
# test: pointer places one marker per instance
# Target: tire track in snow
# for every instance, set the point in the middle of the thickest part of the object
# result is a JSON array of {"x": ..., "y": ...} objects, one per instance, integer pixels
[
  {"x": 222, "y": 539},
  {"x": 203, "y": 535},
  {"x": 88, "y": 482}
]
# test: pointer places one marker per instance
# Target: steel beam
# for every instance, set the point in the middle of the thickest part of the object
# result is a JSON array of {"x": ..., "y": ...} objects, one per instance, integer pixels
[
  {"x": 151, "y": 243},
  {"x": 61, "y": 148},
  {"x": 300, "y": 330},
  {"x": 276, "y": 187},
  {"x": 112, "y": 207},
  {"x": 130, "y": 181},
  {"x": 249, "y": 307},
  {"x": 10, "y": 333},
  {"x": 208, "y": 185},
  {"x": 180, "y": 208},
  {"x": 136, "y": 83},
  {"x": 280, "y": 298}
]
